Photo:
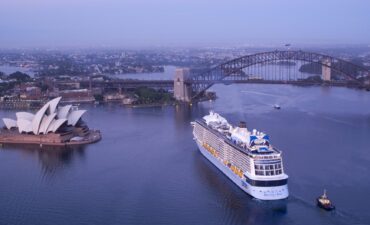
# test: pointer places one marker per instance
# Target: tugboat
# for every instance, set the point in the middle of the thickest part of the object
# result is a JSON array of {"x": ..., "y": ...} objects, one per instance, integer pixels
[{"x": 324, "y": 202}]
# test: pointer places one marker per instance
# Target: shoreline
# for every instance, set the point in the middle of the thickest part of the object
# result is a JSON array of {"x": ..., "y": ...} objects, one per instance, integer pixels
[
  {"x": 20, "y": 105},
  {"x": 45, "y": 140}
]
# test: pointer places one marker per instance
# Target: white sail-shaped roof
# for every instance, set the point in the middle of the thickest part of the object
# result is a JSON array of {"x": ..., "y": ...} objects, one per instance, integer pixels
[
  {"x": 74, "y": 116},
  {"x": 38, "y": 117},
  {"x": 25, "y": 115},
  {"x": 55, "y": 125},
  {"x": 49, "y": 107},
  {"x": 64, "y": 111},
  {"x": 48, "y": 119},
  {"x": 53, "y": 105},
  {"x": 46, "y": 122},
  {"x": 24, "y": 125},
  {"x": 9, "y": 123}
]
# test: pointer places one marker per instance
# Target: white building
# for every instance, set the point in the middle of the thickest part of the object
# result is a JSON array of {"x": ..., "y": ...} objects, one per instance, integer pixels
[{"x": 49, "y": 119}]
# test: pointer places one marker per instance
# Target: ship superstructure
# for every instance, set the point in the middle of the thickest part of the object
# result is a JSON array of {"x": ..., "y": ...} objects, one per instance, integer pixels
[{"x": 245, "y": 156}]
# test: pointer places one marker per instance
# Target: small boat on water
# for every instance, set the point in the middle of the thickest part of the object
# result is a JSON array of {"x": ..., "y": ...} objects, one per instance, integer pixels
[
  {"x": 324, "y": 202},
  {"x": 276, "y": 106}
]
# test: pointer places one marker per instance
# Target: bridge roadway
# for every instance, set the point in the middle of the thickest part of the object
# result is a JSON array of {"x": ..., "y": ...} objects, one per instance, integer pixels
[
  {"x": 168, "y": 84},
  {"x": 127, "y": 84}
]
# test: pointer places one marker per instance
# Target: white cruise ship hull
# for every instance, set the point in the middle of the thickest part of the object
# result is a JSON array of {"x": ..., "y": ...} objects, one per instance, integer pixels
[{"x": 263, "y": 193}]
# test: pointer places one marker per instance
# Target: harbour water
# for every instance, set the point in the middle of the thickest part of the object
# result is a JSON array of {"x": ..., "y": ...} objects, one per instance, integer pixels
[
  {"x": 168, "y": 74},
  {"x": 8, "y": 69},
  {"x": 147, "y": 169}
]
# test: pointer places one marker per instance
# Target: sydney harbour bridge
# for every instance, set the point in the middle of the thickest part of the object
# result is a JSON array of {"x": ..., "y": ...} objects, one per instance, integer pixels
[{"x": 264, "y": 68}]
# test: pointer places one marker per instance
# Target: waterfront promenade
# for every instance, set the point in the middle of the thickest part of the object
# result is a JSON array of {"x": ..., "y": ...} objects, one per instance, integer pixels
[{"x": 51, "y": 139}]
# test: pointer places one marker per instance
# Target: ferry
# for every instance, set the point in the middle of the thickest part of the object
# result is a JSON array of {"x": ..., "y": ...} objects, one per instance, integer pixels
[
  {"x": 246, "y": 157},
  {"x": 276, "y": 106}
]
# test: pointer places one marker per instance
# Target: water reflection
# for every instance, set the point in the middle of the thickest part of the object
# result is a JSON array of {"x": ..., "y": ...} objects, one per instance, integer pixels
[
  {"x": 52, "y": 159},
  {"x": 185, "y": 113}
]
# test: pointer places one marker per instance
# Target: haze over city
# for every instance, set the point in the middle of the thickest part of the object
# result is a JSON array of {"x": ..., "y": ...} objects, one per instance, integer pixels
[
  {"x": 147, "y": 23},
  {"x": 211, "y": 112}
]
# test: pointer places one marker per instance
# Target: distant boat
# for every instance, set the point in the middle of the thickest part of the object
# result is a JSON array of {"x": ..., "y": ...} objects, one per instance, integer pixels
[
  {"x": 324, "y": 202},
  {"x": 276, "y": 106}
]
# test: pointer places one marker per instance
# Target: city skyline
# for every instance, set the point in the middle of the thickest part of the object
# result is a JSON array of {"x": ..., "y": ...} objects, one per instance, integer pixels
[{"x": 181, "y": 23}]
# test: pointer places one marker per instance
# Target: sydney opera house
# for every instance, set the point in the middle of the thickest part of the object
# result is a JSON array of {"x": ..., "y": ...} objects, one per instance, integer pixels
[{"x": 51, "y": 125}]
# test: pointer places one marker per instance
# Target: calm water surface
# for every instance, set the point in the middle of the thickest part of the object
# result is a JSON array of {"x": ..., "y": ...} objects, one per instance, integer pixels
[
  {"x": 168, "y": 74},
  {"x": 147, "y": 169},
  {"x": 8, "y": 69}
]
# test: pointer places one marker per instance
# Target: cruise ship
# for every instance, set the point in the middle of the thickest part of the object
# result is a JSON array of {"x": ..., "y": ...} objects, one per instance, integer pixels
[{"x": 244, "y": 156}]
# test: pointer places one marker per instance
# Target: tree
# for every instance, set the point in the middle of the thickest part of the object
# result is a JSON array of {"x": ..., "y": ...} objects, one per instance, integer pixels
[
  {"x": 99, "y": 97},
  {"x": 19, "y": 76}
]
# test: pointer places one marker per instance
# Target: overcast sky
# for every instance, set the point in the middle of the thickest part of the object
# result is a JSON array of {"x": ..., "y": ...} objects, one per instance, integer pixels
[{"x": 150, "y": 23}]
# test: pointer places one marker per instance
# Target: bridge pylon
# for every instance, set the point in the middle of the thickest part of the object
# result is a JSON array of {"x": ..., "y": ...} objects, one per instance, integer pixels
[
  {"x": 181, "y": 90},
  {"x": 326, "y": 70}
]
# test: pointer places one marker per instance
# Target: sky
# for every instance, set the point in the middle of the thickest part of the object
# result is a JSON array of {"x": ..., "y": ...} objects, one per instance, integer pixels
[{"x": 161, "y": 23}]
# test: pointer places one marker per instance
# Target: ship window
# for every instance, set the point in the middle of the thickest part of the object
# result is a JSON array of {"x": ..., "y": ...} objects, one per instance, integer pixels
[
  {"x": 273, "y": 183},
  {"x": 272, "y": 173},
  {"x": 260, "y": 173},
  {"x": 258, "y": 167}
]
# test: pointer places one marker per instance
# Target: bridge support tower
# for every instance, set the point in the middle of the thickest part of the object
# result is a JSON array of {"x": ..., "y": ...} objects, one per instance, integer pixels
[
  {"x": 326, "y": 70},
  {"x": 181, "y": 90}
]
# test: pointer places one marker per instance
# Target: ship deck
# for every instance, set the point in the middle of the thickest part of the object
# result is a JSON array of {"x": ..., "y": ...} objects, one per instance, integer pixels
[{"x": 224, "y": 137}]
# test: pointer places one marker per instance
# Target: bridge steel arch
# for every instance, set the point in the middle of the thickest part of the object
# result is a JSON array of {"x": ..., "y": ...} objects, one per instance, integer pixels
[{"x": 202, "y": 81}]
